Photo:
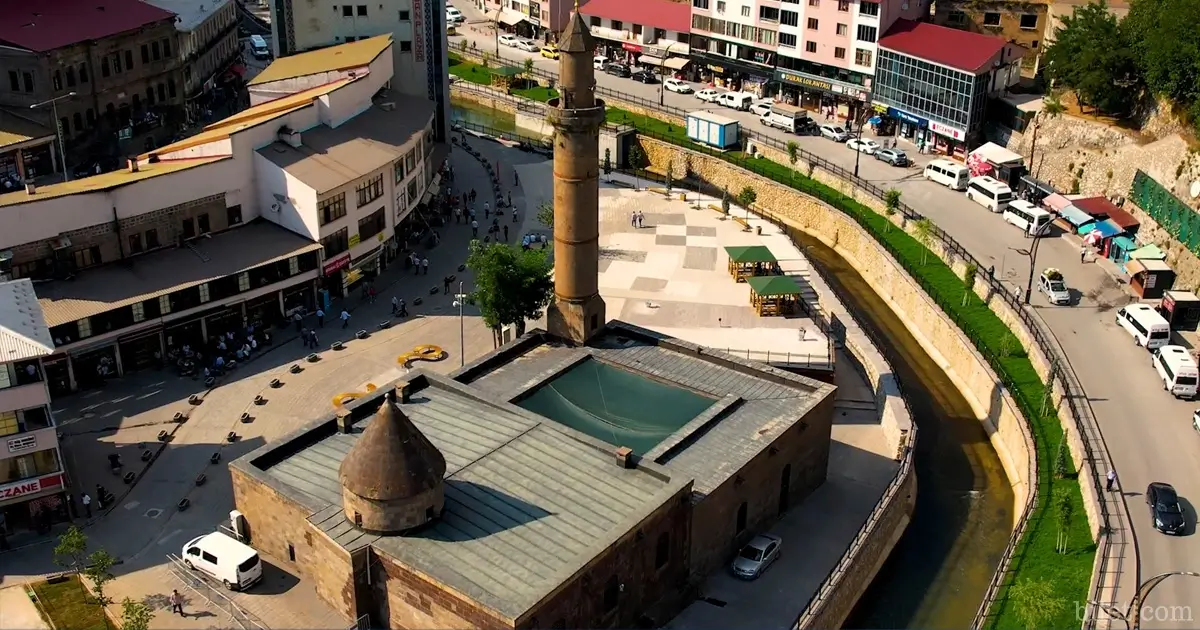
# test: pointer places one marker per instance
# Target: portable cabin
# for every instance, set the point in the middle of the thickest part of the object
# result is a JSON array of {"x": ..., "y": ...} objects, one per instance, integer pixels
[
  {"x": 1150, "y": 279},
  {"x": 1181, "y": 309}
]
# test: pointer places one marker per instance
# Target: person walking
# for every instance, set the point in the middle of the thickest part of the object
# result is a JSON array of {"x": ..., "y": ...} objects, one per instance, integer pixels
[
  {"x": 371, "y": 295},
  {"x": 487, "y": 210},
  {"x": 298, "y": 318},
  {"x": 304, "y": 337},
  {"x": 177, "y": 603},
  {"x": 395, "y": 305},
  {"x": 516, "y": 178},
  {"x": 633, "y": 219},
  {"x": 345, "y": 316},
  {"x": 312, "y": 336},
  {"x": 446, "y": 285},
  {"x": 425, "y": 266},
  {"x": 1083, "y": 253},
  {"x": 1112, "y": 480},
  {"x": 87, "y": 504},
  {"x": 474, "y": 228},
  {"x": 320, "y": 318},
  {"x": 506, "y": 232}
]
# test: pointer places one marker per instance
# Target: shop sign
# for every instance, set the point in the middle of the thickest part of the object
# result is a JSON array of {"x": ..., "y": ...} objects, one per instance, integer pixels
[
  {"x": 805, "y": 81},
  {"x": 418, "y": 24},
  {"x": 717, "y": 69},
  {"x": 337, "y": 264},
  {"x": 355, "y": 240},
  {"x": 352, "y": 276},
  {"x": 22, "y": 443},
  {"x": 631, "y": 47},
  {"x": 946, "y": 130},
  {"x": 906, "y": 117},
  {"x": 25, "y": 488}
]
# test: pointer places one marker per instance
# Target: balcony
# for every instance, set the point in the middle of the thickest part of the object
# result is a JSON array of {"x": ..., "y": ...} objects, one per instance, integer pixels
[
  {"x": 20, "y": 444},
  {"x": 24, "y": 397}
]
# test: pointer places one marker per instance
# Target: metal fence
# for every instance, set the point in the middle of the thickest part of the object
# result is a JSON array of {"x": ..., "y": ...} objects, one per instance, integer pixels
[{"x": 213, "y": 594}]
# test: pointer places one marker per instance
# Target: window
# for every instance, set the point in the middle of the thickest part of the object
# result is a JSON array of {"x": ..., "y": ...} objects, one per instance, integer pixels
[
  {"x": 347, "y": 10},
  {"x": 1033, "y": 44},
  {"x": 64, "y": 124},
  {"x": 957, "y": 18},
  {"x": 233, "y": 214},
  {"x": 991, "y": 19},
  {"x": 741, "y": 518},
  {"x": 398, "y": 169},
  {"x": 771, "y": 14},
  {"x": 812, "y": 24},
  {"x": 85, "y": 328},
  {"x": 662, "y": 550},
  {"x": 720, "y": 6},
  {"x": 862, "y": 57},
  {"x": 145, "y": 53},
  {"x": 28, "y": 79},
  {"x": 156, "y": 51},
  {"x": 166, "y": 47},
  {"x": 57, "y": 80},
  {"x": 205, "y": 293},
  {"x": 700, "y": 4},
  {"x": 745, "y": 11},
  {"x": 612, "y": 592},
  {"x": 369, "y": 190},
  {"x": 139, "y": 312},
  {"x": 129, "y": 60},
  {"x": 243, "y": 281},
  {"x": 844, "y": 5},
  {"x": 171, "y": 88},
  {"x": 810, "y": 46},
  {"x": 104, "y": 72},
  {"x": 332, "y": 209},
  {"x": 78, "y": 120},
  {"x": 637, "y": 30},
  {"x": 164, "y": 304},
  {"x": 189, "y": 228},
  {"x": 814, "y": 3},
  {"x": 868, "y": 8},
  {"x": 618, "y": 25},
  {"x": 202, "y": 224},
  {"x": 83, "y": 74},
  {"x": 405, "y": 16},
  {"x": 1029, "y": 21},
  {"x": 336, "y": 243},
  {"x": 8, "y": 422},
  {"x": 87, "y": 257},
  {"x": 135, "y": 243},
  {"x": 789, "y": 18},
  {"x": 866, "y": 33},
  {"x": 410, "y": 161},
  {"x": 843, "y": 30},
  {"x": 371, "y": 225},
  {"x": 839, "y": 53},
  {"x": 405, "y": 46},
  {"x": 412, "y": 190},
  {"x": 152, "y": 238},
  {"x": 787, "y": 39},
  {"x": 14, "y": 81},
  {"x": 361, "y": 10}
]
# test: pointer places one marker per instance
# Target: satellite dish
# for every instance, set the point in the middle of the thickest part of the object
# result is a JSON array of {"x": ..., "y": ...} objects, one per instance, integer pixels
[{"x": 1195, "y": 189}]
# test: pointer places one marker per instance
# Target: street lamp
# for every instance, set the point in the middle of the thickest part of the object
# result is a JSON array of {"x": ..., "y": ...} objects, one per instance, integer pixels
[
  {"x": 1031, "y": 253},
  {"x": 460, "y": 299},
  {"x": 662, "y": 89},
  {"x": 1132, "y": 615},
  {"x": 62, "y": 151},
  {"x": 496, "y": 28}
]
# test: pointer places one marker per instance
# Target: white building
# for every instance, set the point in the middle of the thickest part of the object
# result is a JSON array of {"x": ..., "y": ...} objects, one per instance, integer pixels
[
  {"x": 33, "y": 485},
  {"x": 208, "y": 39}
]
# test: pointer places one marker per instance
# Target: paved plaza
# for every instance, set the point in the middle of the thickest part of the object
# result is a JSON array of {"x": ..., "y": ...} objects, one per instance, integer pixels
[{"x": 669, "y": 276}]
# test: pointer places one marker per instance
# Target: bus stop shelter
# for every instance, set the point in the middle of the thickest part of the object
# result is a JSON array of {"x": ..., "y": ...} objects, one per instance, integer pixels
[
  {"x": 751, "y": 260},
  {"x": 773, "y": 295}
]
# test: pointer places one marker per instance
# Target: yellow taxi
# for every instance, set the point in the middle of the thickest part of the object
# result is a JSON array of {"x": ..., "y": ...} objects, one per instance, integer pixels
[{"x": 550, "y": 51}]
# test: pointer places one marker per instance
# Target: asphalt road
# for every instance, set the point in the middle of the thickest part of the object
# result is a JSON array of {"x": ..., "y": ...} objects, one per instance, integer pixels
[{"x": 1148, "y": 433}]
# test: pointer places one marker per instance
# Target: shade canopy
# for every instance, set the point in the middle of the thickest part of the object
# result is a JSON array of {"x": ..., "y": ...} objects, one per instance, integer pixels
[
  {"x": 507, "y": 71},
  {"x": 750, "y": 254},
  {"x": 1076, "y": 216},
  {"x": 771, "y": 286},
  {"x": 1150, "y": 252},
  {"x": 676, "y": 63}
]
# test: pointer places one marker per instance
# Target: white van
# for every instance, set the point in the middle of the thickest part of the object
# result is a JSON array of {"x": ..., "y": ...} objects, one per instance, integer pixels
[
  {"x": 259, "y": 48},
  {"x": 237, "y": 565},
  {"x": 1147, "y": 327},
  {"x": 1033, "y": 220},
  {"x": 599, "y": 61},
  {"x": 736, "y": 100},
  {"x": 1177, "y": 370},
  {"x": 989, "y": 192},
  {"x": 948, "y": 173}
]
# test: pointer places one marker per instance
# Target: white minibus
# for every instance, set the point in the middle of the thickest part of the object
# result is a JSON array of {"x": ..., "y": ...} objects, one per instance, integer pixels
[
  {"x": 1030, "y": 218},
  {"x": 259, "y": 48},
  {"x": 235, "y": 564},
  {"x": 1177, "y": 370},
  {"x": 948, "y": 173},
  {"x": 1145, "y": 325},
  {"x": 989, "y": 192}
]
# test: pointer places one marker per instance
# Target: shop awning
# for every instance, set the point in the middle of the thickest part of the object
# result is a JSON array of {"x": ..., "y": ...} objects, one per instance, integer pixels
[
  {"x": 650, "y": 60},
  {"x": 1137, "y": 266},
  {"x": 1105, "y": 229},
  {"x": 676, "y": 63},
  {"x": 511, "y": 18},
  {"x": 1056, "y": 202},
  {"x": 1149, "y": 252},
  {"x": 1124, "y": 243},
  {"x": 1074, "y": 215}
]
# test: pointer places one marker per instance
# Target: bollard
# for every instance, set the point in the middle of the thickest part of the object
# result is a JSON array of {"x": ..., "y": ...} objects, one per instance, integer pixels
[
  {"x": 418, "y": 301},
  {"x": 162, "y": 436},
  {"x": 246, "y": 417},
  {"x": 215, "y": 457},
  {"x": 194, "y": 399},
  {"x": 201, "y": 478},
  {"x": 210, "y": 381},
  {"x": 276, "y": 383},
  {"x": 462, "y": 267},
  {"x": 384, "y": 325},
  {"x": 362, "y": 334},
  {"x": 184, "y": 503},
  {"x": 146, "y": 455},
  {"x": 337, "y": 345},
  {"x": 433, "y": 290},
  {"x": 259, "y": 400},
  {"x": 295, "y": 369},
  {"x": 129, "y": 477},
  {"x": 179, "y": 417},
  {"x": 313, "y": 358},
  {"x": 231, "y": 437}
]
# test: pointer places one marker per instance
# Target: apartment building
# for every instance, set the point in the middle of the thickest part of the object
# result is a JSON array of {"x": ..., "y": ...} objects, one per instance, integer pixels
[
  {"x": 278, "y": 208},
  {"x": 734, "y": 43},
  {"x": 110, "y": 66},
  {"x": 1026, "y": 24},
  {"x": 653, "y": 33},
  {"x": 418, "y": 28},
  {"x": 33, "y": 484},
  {"x": 208, "y": 44}
]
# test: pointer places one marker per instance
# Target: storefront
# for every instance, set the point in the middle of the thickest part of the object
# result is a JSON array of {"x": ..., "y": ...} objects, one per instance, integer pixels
[
  {"x": 820, "y": 94},
  {"x": 141, "y": 350},
  {"x": 735, "y": 74},
  {"x": 332, "y": 273},
  {"x": 908, "y": 126},
  {"x": 34, "y": 505},
  {"x": 363, "y": 269}
]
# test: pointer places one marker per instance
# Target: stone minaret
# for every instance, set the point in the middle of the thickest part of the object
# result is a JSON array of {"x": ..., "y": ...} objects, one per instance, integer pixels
[{"x": 578, "y": 309}]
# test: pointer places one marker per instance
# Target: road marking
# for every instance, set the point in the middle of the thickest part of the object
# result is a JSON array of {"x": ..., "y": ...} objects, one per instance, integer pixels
[
  {"x": 132, "y": 505},
  {"x": 167, "y": 537},
  {"x": 153, "y": 393}
]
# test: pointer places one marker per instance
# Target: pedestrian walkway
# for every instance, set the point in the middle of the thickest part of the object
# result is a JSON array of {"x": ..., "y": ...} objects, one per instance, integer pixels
[{"x": 18, "y": 612}]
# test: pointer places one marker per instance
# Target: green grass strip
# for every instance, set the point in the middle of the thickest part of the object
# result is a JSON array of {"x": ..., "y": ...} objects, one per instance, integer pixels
[{"x": 1035, "y": 557}]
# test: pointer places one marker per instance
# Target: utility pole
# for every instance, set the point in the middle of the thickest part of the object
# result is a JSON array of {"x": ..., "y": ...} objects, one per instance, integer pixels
[{"x": 62, "y": 150}]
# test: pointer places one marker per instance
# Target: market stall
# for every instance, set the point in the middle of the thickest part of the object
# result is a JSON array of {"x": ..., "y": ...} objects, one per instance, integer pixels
[
  {"x": 773, "y": 295},
  {"x": 1150, "y": 279},
  {"x": 1148, "y": 252},
  {"x": 1181, "y": 309},
  {"x": 751, "y": 260}
]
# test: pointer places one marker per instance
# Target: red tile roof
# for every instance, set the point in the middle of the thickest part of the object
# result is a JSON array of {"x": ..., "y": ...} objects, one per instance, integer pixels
[
  {"x": 45, "y": 25},
  {"x": 1102, "y": 207},
  {"x": 664, "y": 14},
  {"x": 969, "y": 52}
]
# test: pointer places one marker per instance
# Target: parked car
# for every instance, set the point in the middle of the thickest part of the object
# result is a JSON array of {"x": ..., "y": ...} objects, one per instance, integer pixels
[
  {"x": 645, "y": 76},
  {"x": 740, "y": 101},
  {"x": 895, "y": 157},
  {"x": 508, "y": 39},
  {"x": 761, "y": 108},
  {"x": 526, "y": 45},
  {"x": 550, "y": 51},
  {"x": 864, "y": 145},
  {"x": 756, "y": 556},
  {"x": 708, "y": 95},
  {"x": 1164, "y": 508},
  {"x": 599, "y": 61},
  {"x": 675, "y": 85},
  {"x": 618, "y": 70},
  {"x": 234, "y": 563},
  {"x": 835, "y": 133},
  {"x": 454, "y": 16}
]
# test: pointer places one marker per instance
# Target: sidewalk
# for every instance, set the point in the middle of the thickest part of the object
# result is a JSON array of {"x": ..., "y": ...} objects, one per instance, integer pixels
[{"x": 18, "y": 612}]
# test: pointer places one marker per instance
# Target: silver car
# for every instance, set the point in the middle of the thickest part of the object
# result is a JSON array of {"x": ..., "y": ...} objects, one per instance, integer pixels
[{"x": 756, "y": 556}]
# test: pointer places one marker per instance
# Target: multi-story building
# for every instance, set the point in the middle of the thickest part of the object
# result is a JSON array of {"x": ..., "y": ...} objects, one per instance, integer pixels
[
  {"x": 280, "y": 207},
  {"x": 1026, "y": 24},
  {"x": 418, "y": 28},
  {"x": 208, "y": 44},
  {"x": 33, "y": 484},
  {"x": 118, "y": 59},
  {"x": 648, "y": 32},
  {"x": 936, "y": 82},
  {"x": 734, "y": 42}
]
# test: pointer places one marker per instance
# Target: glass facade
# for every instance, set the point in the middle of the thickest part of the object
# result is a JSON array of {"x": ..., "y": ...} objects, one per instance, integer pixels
[{"x": 927, "y": 90}]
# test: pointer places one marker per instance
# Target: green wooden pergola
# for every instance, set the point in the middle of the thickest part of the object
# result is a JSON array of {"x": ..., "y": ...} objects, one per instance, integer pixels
[
  {"x": 773, "y": 295},
  {"x": 751, "y": 260},
  {"x": 503, "y": 76}
]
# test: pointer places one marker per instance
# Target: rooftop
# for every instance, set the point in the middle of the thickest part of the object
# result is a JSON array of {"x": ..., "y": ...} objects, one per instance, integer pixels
[
  {"x": 146, "y": 277},
  {"x": 332, "y": 157},
  {"x": 15, "y": 129},
  {"x": 23, "y": 330},
  {"x": 962, "y": 50},
  {"x": 49, "y": 24},
  {"x": 191, "y": 13},
  {"x": 332, "y": 59},
  {"x": 750, "y": 404},
  {"x": 664, "y": 14},
  {"x": 104, "y": 181},
  {"x": 1102, "y": 207},
  {"x": 529, "y": 503}
]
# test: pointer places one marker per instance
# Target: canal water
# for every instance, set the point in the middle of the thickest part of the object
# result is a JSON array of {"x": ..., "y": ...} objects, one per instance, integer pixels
[{"x": 939, "y": 571}]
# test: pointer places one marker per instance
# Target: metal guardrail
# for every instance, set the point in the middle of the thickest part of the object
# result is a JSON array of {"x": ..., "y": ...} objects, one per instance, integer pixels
[{"x": 213, "y": 594}]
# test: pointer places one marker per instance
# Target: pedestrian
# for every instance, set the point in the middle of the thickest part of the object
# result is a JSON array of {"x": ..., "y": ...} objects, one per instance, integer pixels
[
  {"x": 506, "y": 232},
  {"x": 509, "y": 198},
  {"x": 304, "y": 337},
  {"x": 1083, "y": 253},
  {"x": 87, "y": 504},
  {"x": 312, "y": 336},
  {"x": 395, "y": 305},
  {"x": 425, "y": 266},
  {"x": 516, "y": 178},
  {"x": 177, "y": 603},
  {"x": 487, "y": 209},
  {"x": 403, "y": 309},
  {"x": 345, "y": 316},
  {"x": 371, "y": 294},
  {"x": 297, "y": 317},
  {"x": 474, "y": 229},
  {"x": 1112, "y": 480},
  {"x": 320, "y": 318},
  {"x": 446, "y": 285},
  {"x": 514, "y": 215},
  {"x": 633, "y": 218}
]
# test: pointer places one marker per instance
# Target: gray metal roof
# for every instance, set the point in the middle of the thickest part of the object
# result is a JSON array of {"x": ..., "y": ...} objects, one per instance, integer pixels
[
  {"x": 528, "y": 502},
  {"x": 23, "y": 330}
]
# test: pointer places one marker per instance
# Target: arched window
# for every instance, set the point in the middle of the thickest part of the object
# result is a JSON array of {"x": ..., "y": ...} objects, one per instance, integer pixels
[
  {"x": 741, "y": 518},
  {"x": 612, "y": 591},
  {"x": 662, "y": 550}
]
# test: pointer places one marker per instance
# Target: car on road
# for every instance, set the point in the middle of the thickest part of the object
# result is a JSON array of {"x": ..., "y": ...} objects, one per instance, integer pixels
[
  {"x": 645, "y": 76},
  {"x": 756, "y": 556},
  {"x": 508, "y": 39},
  {"x": 863, "y": 145},
  {"x": 895, "y": 157},
  {"x": 618, "y": 70},
  {"x": 526, "y": 45},
  {"x": 761, "y": 108},
  {"x": 1164, "y": 508},
  {"x": 675, "y": 85},
  {"x": 708, "y": 95},
  {"x": 235, "y": 564},
  {"x": 1052, "y": 283},
  {"x": 835, "y": 133},
  {"x": 740, "y": 101},
  {"x": 454, "y": 16},
  {"x": 550, "y": 51}
]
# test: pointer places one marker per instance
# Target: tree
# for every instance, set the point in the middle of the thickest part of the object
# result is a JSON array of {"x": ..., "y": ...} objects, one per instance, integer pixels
[
  {"x": 71, "y": 551},
  {"x": 1165, "y": 38},
  {"x": 136, "y": 615},
  {"x": 1104, "y": 76},
  {"x": 725, "y": 200},
  {"x": 923, "y": 232},
  {"x": 891, "y": 205},
  {"x": 670, "y": 176},
  {"x": 607, "y": 161},
  {"x": 637, "y": 158},
  {"x": 746, "y": 198},
  {"x": 793, "y": 151},
  {"x": 462, "y": 46},
  {"x": 1035, "y": 603},
  {"x": 545, "y": 215},
  {"x": 527, "y": 69},
  {"x": 486, "y": 59},
  {"x": 1063, "y": 510},
  {"x": 1052, "y": 107},
  {"x": 511, "y": 284},
  {"x": 99, "y": 571},
  {"x": 969, "y": 273}
]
